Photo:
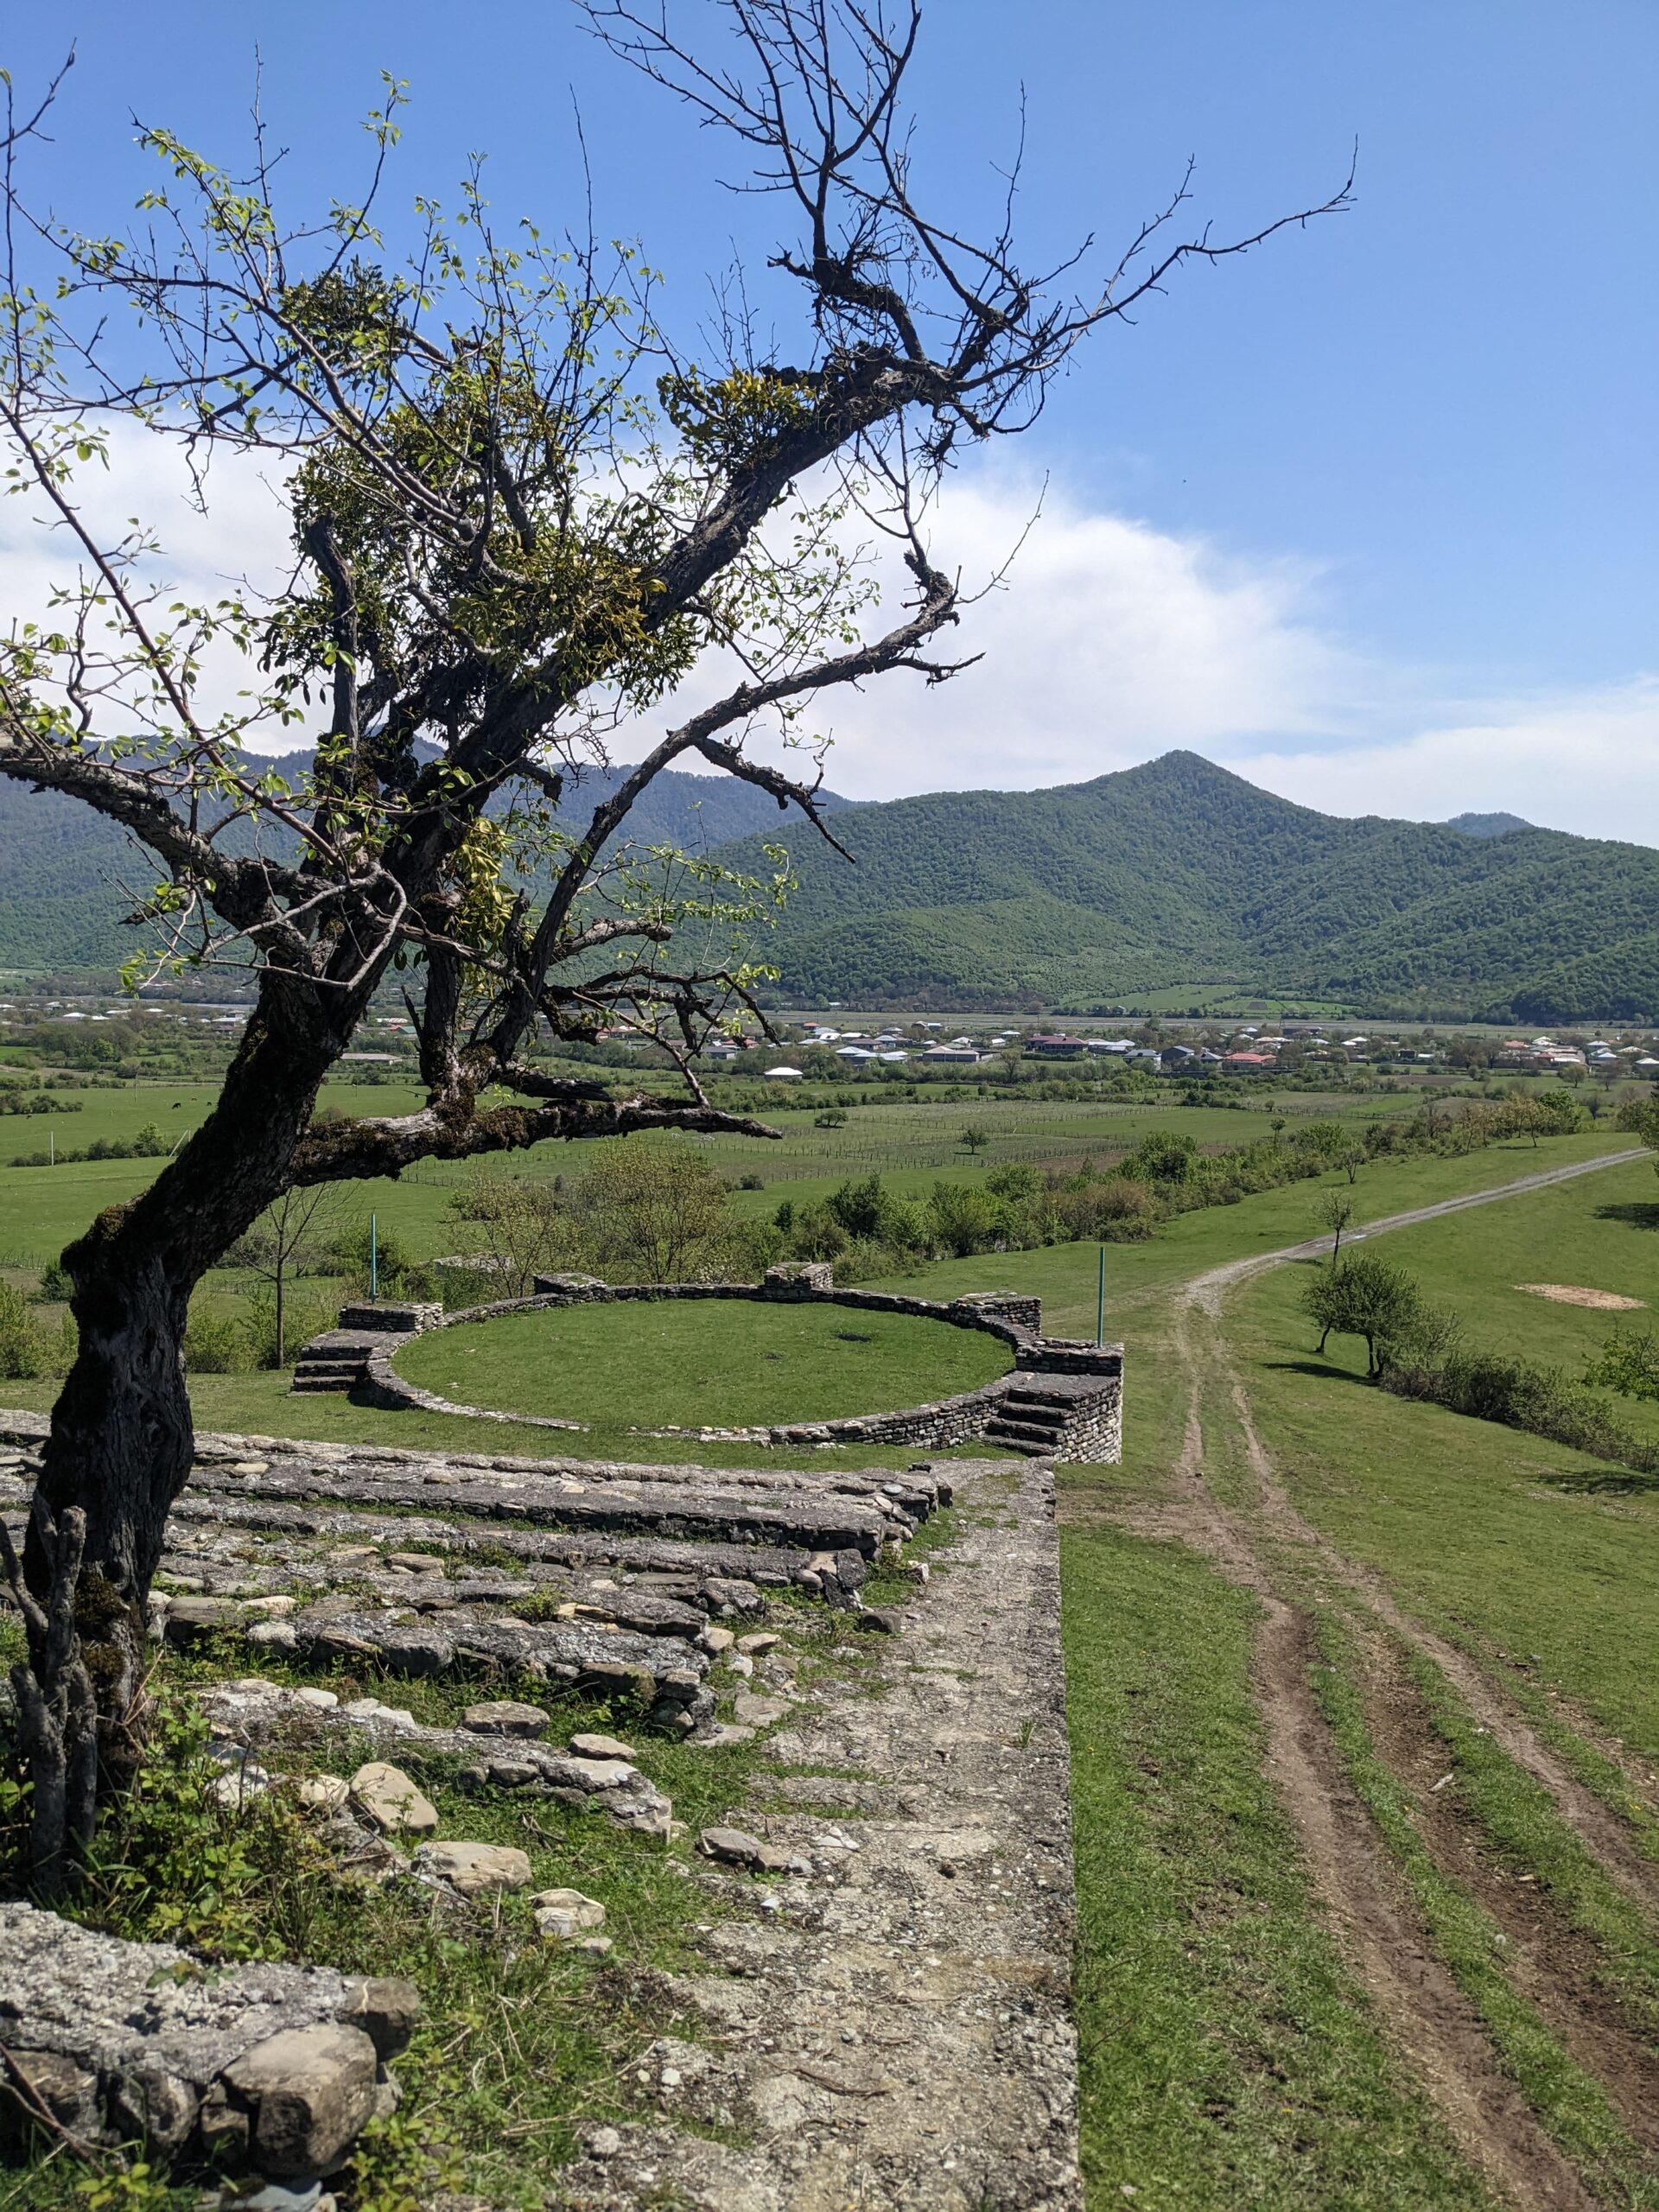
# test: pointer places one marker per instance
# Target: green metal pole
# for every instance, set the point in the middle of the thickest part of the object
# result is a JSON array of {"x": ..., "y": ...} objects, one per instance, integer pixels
[
  {"x": 1100, "y": 1301},
  {"x": 374, "y": 1258}
]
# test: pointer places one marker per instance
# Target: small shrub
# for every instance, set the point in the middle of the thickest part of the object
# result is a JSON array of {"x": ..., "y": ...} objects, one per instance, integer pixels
[
  {"x": 21, "y": 1352},
  {"x": 216, "y": 1343}
]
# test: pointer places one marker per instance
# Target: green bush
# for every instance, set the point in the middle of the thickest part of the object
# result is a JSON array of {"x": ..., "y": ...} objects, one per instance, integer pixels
[
  {"x": 1543, "y": 1401},
  {"x": 216, "y": 1343},
  {"x": 963, "y": 1218},
  {"x": 20, "y": 1336},
  {"x": 1628, "y": 1362}
]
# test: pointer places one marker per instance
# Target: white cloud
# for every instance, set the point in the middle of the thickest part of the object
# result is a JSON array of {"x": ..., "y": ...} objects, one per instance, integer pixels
[
  {"x": 1588, "y": 763},
  {"x": 241, "y": 541},
  {"x": 1109, "y": 641}
]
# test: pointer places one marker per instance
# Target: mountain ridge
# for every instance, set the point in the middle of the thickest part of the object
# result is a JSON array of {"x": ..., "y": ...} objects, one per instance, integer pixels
[
  {"x": 66, "y": 874},
  {"x": 1178, "y": 871},
  {"x": 1175, "y": 872}
]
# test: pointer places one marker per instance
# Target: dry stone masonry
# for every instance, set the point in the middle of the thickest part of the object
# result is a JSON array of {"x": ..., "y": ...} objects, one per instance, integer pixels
[
  {"x": 880, "y": 1918},
  {"x": 279, "y": 2066},
  {"x": 1063, "y": 1400}
]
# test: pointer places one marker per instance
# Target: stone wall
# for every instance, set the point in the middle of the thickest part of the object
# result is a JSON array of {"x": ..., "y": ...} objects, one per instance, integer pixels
[{"x": 1094, "y": 1430}]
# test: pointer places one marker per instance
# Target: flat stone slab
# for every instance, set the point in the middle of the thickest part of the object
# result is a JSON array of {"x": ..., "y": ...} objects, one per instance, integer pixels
[
  {"x": 702, "y": 1512},
  {"x": 892, "y": 2030}
]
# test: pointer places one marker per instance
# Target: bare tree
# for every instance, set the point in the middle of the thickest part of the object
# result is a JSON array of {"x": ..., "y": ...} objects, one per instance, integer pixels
[
  {"x": 521, "y": 516},
  {"x": 288, "y": 1238}
]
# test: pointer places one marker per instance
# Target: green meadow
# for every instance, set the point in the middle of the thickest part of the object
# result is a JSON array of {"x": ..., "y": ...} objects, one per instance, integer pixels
[{"x": 1234, "y": 2049}]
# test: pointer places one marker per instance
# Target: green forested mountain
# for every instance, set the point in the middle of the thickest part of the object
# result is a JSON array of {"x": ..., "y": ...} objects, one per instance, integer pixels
[
  {"x": 67, "y": 876},
  {"x": 1487, "y": 825},
  {"x": 1178, "y": 872},
  {"x": 1173, "y": 873}
]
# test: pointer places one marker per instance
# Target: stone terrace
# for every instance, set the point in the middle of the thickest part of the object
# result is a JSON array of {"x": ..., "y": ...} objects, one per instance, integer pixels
[{"x": 881, "y": 2015}]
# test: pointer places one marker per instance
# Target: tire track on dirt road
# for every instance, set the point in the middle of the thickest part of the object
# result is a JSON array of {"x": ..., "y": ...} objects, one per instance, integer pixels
[{"x": 1376, "y": 1921}]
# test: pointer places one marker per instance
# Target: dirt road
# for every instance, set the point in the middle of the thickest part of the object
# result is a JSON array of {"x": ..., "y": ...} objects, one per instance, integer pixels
[{"x": 1206, "y": 1290}]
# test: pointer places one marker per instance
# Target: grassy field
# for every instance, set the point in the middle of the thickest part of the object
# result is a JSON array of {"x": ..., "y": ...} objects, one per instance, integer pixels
[
  {"x": 1303, "y": 1567},
  {"x": 1140, "y": 1276},
  {"x": 1228, "y": 2055},
  {"x": 1237, "y": 2045},
  {"x": 713, "y": 1361},
  {"x": 910, "y": 1143},
  {"x": 1491, "y": 1534},
  {"x": 261, "y": 1404}
]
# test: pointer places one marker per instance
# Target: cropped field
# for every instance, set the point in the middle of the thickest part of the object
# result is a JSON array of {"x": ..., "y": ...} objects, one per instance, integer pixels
[{"x": 724, "y": 1363}]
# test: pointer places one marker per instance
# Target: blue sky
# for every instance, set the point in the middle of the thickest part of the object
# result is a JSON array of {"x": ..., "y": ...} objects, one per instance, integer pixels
[{"x": 1369, "y": 516}]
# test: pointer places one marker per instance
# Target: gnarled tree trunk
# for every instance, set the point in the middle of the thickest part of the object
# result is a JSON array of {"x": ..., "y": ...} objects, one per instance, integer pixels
[{"x": 122, "y": 1440}]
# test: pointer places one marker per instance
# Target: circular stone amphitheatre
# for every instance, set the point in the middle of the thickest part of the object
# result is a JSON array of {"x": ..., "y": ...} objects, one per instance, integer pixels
[{"x": 699, "y": 1363}]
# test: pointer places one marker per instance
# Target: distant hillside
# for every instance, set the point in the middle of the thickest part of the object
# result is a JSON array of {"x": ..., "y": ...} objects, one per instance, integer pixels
[
  {"x": 67, "y": 876},
  {"x": 1178, "y": 872},
  {"x": 1486, "y": 825},
  {"x": 1174, "y": 872}
]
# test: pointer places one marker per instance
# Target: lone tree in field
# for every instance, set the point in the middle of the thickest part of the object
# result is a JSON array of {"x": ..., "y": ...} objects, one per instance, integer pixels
[
  {"x": 521, "y": 518},
  {"x": 1366, "y": 1297},
  {"x": 1335, "y": 1210}
]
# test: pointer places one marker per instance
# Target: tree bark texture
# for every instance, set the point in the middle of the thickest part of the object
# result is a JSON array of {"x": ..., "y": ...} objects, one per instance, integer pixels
[{"x": 122, "y": 1442}]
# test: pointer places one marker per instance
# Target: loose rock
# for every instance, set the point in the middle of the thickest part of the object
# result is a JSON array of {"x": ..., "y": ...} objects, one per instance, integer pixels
[
  {"x": 392, "y": 1801},
  {"x": 506, "y": 1717},
  {"x": 736, "y": 1847},
  {"x": 326, "y": 1793},
  {"x": 474, "y": 1868},
  {"x": 588, "y": 1746},
  {"x": 567, "y": 1914},
  {"x": 312, "y": 2090}
]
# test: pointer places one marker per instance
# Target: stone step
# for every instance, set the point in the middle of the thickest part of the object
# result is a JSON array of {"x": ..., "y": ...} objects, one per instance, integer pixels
[
  {"x": 254, "y": 1711},
  {"x": 664, "y": 1674},
  {"x": 1024, "y": 1436},
  {"x": 719, "y": 1574},
  {"x": 1022, "y": 1407},
  {"x": 917, "y": 1492},
  {"x": 799, "y": 1521}
]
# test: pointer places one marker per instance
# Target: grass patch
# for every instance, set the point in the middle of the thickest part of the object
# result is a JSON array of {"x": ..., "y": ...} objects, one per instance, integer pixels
[
  {"x": 263, "y": 1405},
  {"x": 1063, "y": 1275},
  {"x": 728, "y": 1361},
  {"x": 1226, "y": 2055},
  {"x": 1477, "y": 1530},
  {"x": 1530, "y": 1836}
]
